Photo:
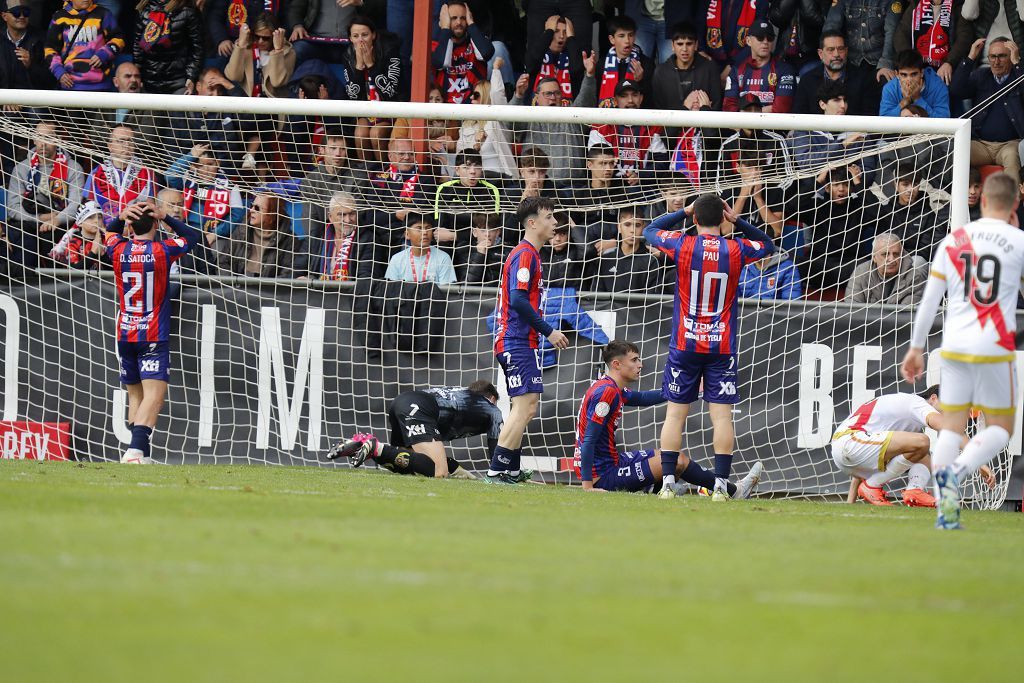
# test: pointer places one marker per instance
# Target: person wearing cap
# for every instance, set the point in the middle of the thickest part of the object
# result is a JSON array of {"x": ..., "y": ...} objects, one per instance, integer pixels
[
  {"x": 768, "y": 146},
  {"x": 761, "y": 74},
  {"x": 455, "y": 200},
  {"x": 82, "y": 245},
  {"x": 43, "y": 194},
  {"x": 724, "y": 30},
  {"x": 21, "y": 49},
  {"x": 639, "y": 150}
]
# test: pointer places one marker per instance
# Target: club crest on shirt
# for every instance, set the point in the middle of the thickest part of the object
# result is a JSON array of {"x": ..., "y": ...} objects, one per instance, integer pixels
[
  {"x": 601, "y": 409},
  {"x": 523, "y": 275}
]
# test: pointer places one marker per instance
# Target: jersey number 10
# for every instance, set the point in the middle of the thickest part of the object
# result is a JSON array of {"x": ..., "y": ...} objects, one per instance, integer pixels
[
  {"x": 709, "y": 280},
  {"x": 986, "y": 275}
]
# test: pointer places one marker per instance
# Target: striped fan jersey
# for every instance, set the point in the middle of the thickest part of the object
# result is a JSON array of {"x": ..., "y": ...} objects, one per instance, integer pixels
[
  {"x": 522, "y": 270},
  {"x": 708, "y": 271},
  {"x": 141, "y": 271}
]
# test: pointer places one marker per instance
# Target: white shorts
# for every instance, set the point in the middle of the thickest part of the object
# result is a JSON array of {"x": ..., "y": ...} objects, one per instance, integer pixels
[
  {"x": 861, "y": 454},
  {"x": 991, "y": 387}
]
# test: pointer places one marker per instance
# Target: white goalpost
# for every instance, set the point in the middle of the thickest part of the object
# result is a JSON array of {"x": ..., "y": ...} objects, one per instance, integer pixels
[{"x": 285, "y": 342}]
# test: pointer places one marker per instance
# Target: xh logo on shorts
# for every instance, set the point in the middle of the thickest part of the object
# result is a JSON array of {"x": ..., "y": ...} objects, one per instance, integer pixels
[
  {"x": 515, "y": 381},
  {"x": 727, "y": 388},
  {"x": 151, "y": 365},
  {"x": 415, "y": 430}
]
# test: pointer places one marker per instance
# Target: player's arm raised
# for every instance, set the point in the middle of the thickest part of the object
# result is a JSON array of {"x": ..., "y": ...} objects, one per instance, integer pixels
[
  {"x": 181, "y": 228},
  {"x": 659, "y": 233}
]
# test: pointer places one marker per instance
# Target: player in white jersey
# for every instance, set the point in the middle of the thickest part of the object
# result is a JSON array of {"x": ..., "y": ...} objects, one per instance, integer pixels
[
  {"x": 978, "y": 267},
  {"x": 884, "y": 439}
]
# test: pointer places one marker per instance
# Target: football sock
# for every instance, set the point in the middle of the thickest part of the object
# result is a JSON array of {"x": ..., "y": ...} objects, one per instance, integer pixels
[
  {"x": 947, "y": 447},
  {"x": 896, "y": 467},
  {"x": 453, "y": 465},
  {"x": 140, "y": 438},
  {"x": 386, "y": 451},
  {"x": 669, "y": 459},
  {"x": 500, "y": 461},
  {"x": 517, "y": 459},
  {"x": 918, "y": 476},
  {"x": 698, "y": 476},
  {"x": 985, "y": 445},
  {"x": 723, "y": 467}
]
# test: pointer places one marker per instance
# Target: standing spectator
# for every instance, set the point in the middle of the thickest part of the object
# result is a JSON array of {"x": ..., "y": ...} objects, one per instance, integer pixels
[
  {"x": 639, "y": 150},
  {"x": 939, "y": 34},
  {"x": 869, "y": 27},
  {"x": 580, "y": 14},
  {"x": 461, "y": 54},
  {"x": 25, "y": 63},
  {"x": 210, "y": 203},
  {"x": 224, "y": 18},
  {"x": 120, "y": 179},
  {"x": 420, "y": 261},
  {"x": 917, "y": 84},
  {"x": 44, "y": 192},
  {"x": 799, "y": 23},
  {"x": 261, "y": 247},
  {"x": 773, "y": 277},
  {"x": 623, "y": 62},
  {"x": 168, "y": 45},
  {"x": 481, "y": 262},
  {"x": 761, "y": 74},
  {"x": 340, "y": 248},
  {"x": 316, "y": 27},
  {"x": 263, "y": 60},
  {"x": 974, "y": 193},
  {"x": 81, "y": 44},
  {"x": 687, "y": 79},
  {"x": 630, "y": 265},
  {"x": 649, "y": 16},
  {"x": 998, "y": 128},
  {"x": 889, "y": 276},
  {"x": 486, "y": 136},
  {"x": 557, "y": 54},
  {"x": 992, "y": 18},
  {"x": 726, "y": 24},
  {"x": 373, "y": 69},
  {"x": 562, "y": 143},
  {"x": 862, "y": 90}
]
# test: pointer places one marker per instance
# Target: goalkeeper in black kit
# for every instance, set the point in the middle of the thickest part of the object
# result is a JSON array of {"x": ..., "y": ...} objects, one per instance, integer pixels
[{"x": 421, "y": 423}]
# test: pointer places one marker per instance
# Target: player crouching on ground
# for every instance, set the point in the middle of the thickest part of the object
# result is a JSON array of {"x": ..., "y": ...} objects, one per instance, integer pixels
[
  {"x": 421, "y": 421},
  {"x": 597, "y": 461},
  {"x": 884, "y": 439}
]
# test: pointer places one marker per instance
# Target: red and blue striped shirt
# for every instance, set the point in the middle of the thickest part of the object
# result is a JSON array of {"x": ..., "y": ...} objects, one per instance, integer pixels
[
  {"x": 142, "y": 271},
  {"x": 522, "y": 271}
]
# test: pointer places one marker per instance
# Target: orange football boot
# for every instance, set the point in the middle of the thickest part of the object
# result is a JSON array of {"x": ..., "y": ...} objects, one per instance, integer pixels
[
  {"x": 918, "y": 498},
  {"x": 872, "y": 495}
]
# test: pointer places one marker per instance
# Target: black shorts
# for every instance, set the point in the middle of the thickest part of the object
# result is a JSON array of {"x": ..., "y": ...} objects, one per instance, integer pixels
[{"x": 413, "y": 417}]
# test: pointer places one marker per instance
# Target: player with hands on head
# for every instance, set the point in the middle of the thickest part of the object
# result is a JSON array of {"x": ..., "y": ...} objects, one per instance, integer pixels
[
  {"x": 702, "y": 348},
  {"x": 519, "y": 327},
  {"x": 142, "y": 267},
  {"x": 978, "y": 267}
]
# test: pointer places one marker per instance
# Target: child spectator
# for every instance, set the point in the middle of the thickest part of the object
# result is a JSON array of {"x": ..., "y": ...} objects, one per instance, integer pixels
[
  {"x": 639, "y": 150},
  {"x": 915, "y": 83},
  {"x": 687, "y": 79},
  {"x": 629, "y": 265},
  {"x": 82, "y": 245},
  {"x": 773, "y": 277},
  {"x": 81, "y": 44},
  {"x": 420, "y": 261},
  {"x": 974, "y": 193},
  {"x": 481, "y": 261}
]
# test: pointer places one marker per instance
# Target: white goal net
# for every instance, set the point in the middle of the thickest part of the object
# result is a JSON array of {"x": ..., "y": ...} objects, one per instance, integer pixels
[{"x": 352, "y": 253}]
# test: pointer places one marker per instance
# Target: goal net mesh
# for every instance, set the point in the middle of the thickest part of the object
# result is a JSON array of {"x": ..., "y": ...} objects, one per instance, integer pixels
[{"x": 313, "y": 301}]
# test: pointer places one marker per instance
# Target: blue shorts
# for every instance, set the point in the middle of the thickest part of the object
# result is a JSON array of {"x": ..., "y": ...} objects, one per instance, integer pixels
[
  {"x": 632, "y": 474},
  {"x": 522, "y": 371},
  {"x": 144, "y": 360},
  {"x": 684, "y": 371}
]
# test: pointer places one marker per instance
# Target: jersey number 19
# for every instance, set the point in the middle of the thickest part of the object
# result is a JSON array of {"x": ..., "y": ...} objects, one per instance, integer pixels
[{"x": 981, "y": 284}]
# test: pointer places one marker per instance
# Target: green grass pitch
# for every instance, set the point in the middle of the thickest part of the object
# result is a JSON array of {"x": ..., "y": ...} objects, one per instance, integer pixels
[{"x": 115, "y": 573}]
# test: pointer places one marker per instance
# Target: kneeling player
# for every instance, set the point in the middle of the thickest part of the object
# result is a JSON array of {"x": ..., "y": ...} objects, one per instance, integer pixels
[
  {"x": 597, "y": 461},
  {"x": 884, "y": 439},
  {"x": 421, "y": 421}
]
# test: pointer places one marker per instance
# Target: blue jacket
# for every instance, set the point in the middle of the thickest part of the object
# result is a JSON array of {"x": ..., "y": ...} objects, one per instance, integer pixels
[
  {"x": 934, "y": 98},
  {"x": 974, "y": 82},
  {"x": 779, "y": 280}
]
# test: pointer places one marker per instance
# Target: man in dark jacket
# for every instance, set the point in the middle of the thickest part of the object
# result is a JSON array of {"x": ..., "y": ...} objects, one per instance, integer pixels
[
  {"x": 997, "y": 129},
  {"x": 629, "y": 266},
  {"x": 687, "y": 80},
  {"x": 21, "y": 50},
  {"x": 862, "y": 91}
]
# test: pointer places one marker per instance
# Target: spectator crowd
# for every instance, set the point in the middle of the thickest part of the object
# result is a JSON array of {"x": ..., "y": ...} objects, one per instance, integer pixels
[{"x": 337, "y": 198}]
